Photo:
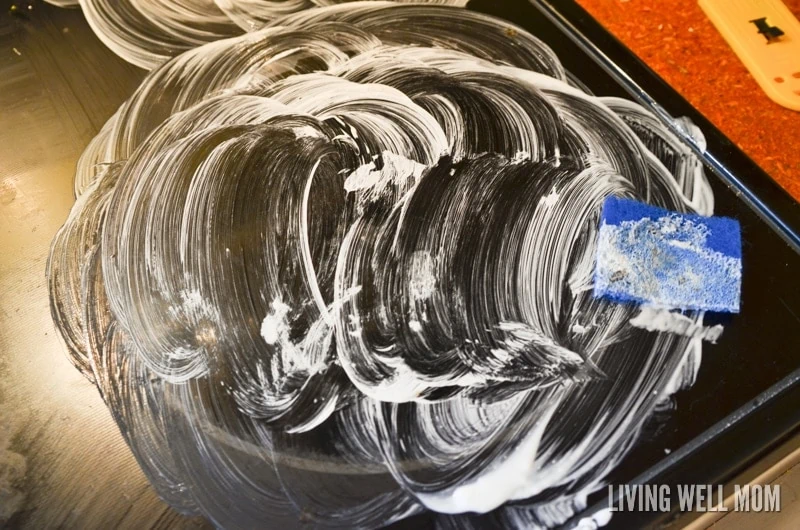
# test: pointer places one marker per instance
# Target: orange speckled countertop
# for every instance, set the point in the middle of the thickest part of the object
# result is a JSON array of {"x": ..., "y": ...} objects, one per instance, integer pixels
[{"x": 678, "y": 41}]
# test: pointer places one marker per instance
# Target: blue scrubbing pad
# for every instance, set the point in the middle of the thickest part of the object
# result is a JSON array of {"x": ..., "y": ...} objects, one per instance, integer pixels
[{"x": 649, "y": 255}]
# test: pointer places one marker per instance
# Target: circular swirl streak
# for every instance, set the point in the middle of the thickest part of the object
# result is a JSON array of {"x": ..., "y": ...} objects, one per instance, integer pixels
[
  {"x": 148, "y": 32},
  {"x": 338, "y": 271}
]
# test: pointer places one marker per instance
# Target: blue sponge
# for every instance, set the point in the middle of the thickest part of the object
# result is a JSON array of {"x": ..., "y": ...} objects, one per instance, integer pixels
[{"x": 649, "y": 255}]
